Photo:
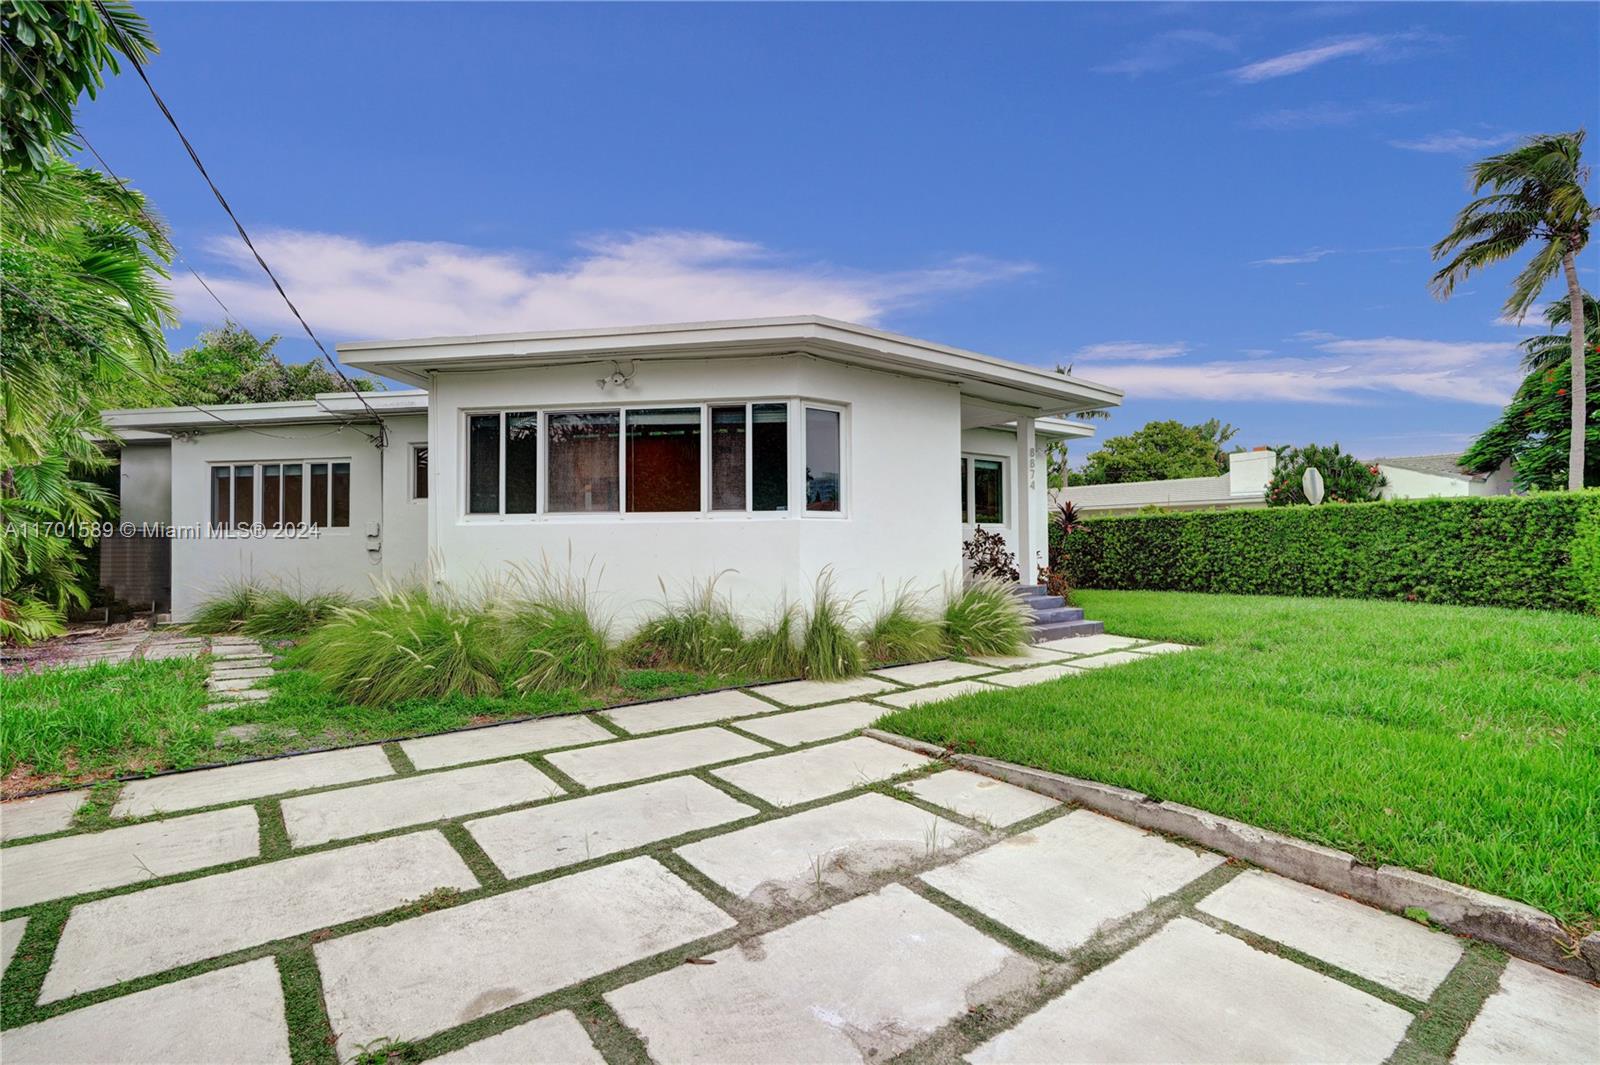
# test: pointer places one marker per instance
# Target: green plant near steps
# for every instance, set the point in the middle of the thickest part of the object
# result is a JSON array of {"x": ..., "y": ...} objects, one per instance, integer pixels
[
  {"x": 695, "y": 631},
  {"x": 902, "y": 631},
  {"x": 553, "y": 635},
  {"x": 985, "y": 618},
  {"x": 829, "y": 649},
  {"x": 1540, "y": 551}
]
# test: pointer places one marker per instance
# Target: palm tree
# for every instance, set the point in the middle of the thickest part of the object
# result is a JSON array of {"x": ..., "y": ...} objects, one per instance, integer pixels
[
  {"x": 1553, "y": 349},
  {"x": 1537, "y": 194}
]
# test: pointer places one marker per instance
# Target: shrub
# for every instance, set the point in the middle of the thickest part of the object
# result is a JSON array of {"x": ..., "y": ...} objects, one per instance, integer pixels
[
  {"x": 553, "y": 635},
  {"x": 986, "y": 618},
  {"x": 902, "y": 631},
  {"x": 987, "y": 556},
  {"x": 226, "y": 611},
  {"x": 1540, "y": 551},
  {"x": 697, "y": 632},
  {"x": 406, "y": 645},
  {"x": 828, "y": 647},
  {"x": 1345, "y": 478},
  {"x": 773, "y": 651}
]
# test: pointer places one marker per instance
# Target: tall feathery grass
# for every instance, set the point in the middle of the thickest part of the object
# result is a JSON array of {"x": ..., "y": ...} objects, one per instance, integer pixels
[
  {"x": 985, "y": 618},
  {"x": 829, "y": 649},
  {"x": 694, "y": 631},
  {"x": 264, "y": 612},
  {"x": 772, "y": 652},
  {"x": 553, "y": 633},
  {"x": 902, "y": 630}
]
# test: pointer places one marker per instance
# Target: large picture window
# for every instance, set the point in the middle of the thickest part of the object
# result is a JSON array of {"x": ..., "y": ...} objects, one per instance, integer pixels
[
  {"x": 280, "y": 495},
  {"x": 664, "y": 460},
  {"x": 583, "y": 466},
  {"x": 982, "y": 491}
]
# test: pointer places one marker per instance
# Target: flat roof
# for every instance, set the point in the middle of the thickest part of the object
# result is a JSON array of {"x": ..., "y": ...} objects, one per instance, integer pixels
[
  {"x": 326, "y": 407},
  {"x": 1026, "y": 389}
]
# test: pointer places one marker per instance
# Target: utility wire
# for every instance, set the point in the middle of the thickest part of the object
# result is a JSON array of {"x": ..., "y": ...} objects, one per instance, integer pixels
[{"x": 194, "y": 156}]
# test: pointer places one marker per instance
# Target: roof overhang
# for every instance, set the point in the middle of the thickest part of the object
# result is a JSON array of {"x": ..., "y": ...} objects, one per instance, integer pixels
[
  {"x": 1012, "y": 386},
  {"x": 338, "y": 407}
]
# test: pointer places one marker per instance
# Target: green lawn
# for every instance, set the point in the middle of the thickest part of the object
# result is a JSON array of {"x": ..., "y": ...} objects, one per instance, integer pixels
[{"x": 1463, "y": 742}]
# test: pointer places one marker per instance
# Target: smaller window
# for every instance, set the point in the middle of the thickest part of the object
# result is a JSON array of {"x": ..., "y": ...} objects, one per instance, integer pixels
[
  {"x": 419, "y": 471},
  {"x": 727, "y": 457},
  {"x": 221, "y": 497},
  {"x": 966, "y": 509},
  {"x": 988, "y": 492},
  {"x": 293, "y": 495},
  {"x": 244, "y": 497},
  {"x": 483, "y": 464},
  {"x": 319, "y": 494},
  {"x": 522, "y": 462},
  {"x": 272, "y": 496},
  {"x": 823, "y": 466},
  {"x": 769, "y": 456},
  {"x": 339, "y": 508}
]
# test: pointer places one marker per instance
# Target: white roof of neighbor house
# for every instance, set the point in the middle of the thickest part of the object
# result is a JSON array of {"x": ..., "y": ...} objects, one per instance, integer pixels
[
  {"x": 326, "y": 407},
  {"x": 1436, "y": 465},
  {"x": 984, "y": 378}
]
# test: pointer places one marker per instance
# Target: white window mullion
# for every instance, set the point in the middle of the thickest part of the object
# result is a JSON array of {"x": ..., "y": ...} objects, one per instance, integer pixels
[{"x": 749, "y": 458}]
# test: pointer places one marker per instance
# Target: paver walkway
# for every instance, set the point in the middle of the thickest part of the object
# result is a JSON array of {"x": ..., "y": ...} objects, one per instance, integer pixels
[{"x": 729, "y": 877}]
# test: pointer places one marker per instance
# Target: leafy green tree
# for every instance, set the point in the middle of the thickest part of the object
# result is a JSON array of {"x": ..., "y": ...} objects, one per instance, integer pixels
[
  {"x": 1533, "y": 430},
  {"x": 1160, "y": 451},
  {"x": 1537, "y": 195},
  {"x": 233, "y": 365},
  {"x": 1345, "y": 478}
]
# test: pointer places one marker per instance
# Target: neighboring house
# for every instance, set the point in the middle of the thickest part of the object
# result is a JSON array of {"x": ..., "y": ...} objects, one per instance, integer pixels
[
  {"x": 1421, "y": 476},
  {"x": 1244, "y": 485},
  {"x": 762, "y": 452}
]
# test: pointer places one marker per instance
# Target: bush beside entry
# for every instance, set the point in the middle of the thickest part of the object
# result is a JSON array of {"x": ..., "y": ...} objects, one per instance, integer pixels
[{"x": 1540, "y": 551}]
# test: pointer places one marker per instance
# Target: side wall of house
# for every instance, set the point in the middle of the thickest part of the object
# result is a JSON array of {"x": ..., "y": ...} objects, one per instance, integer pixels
[
  {"x": 900, "y": 520},
  {"x": 348, "y": 559}
]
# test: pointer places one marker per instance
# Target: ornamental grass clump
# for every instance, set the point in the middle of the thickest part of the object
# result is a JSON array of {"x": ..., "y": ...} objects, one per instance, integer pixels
[
  {"x": 407, "y": 644},
  {"x": 554, "y": 637},
  {"x": 265, "y": 613},
  {"x": 696, "y": 632},
  {"x": 902, "y": 631},
  {"x": 772, "y": 652},
  {"x": 226, "y": 611},
  {"x": 985, "y": 618},
  {"x": 829, "y": 649}
]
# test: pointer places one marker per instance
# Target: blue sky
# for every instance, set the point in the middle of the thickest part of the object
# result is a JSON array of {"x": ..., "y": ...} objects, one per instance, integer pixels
[{"x": 1223, "y": 209}]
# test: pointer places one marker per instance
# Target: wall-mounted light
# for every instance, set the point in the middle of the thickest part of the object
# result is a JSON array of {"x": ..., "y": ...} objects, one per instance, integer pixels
[{"x": 617, "y": 378}]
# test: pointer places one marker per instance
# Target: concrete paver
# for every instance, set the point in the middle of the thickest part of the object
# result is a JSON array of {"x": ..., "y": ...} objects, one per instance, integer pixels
[
  {"x": 94, "y": 861},
  {"x": 554, "y": 1039},
  {"x": 808, "y": 692},
  {"x": 524, "y": 842},
  {"x": 1386, "y": 949},
  {"x": 816, "y": 772},
  {"x": 615, "y": 763},
  {"x": 250, "y": 780},
  {"x": 988, "y": 801},
  {"x": 1534, "y": 1016},
  {"x": 501, "y": 741},
  {"x": 126, "y": 936},
  {"x": 1115, "y": 658},
  {"x": 818, "y": 723},
  {"x": 1191, "y": 994},
  {"x": 233, "y": 1015},
  {"x": 1089, "y": 645},
  {"x": 918, "y": 696},
  {"x": 446, "y": 968},
  {"x": 862, "y": 981},
  {"x": 370, "y": 808},
  {"x": 932, "y": 672},
  {"x": 688, "y": 710},
  {"x": 40, "y": 815},
  {"x": 1059, "y": 883},
  {"x": 10, "y": 939},
  {"x": 835, "y": 844},
  {"x": 1031, "y": 654},
  {"x": 1033, "y": 675},
  {"x": 1160, "y": 648}
]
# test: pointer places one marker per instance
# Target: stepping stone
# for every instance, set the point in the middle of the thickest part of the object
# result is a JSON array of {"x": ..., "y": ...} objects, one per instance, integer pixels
[
  {"x": 1160, "y": 648},
  {"x": 1089, "y": 645},
  {"x": 127, "y": 936},
  {"x": 162, "y": 652},
  {"x": 987, "y": 801},
  {"x": 807, "y": 692},
  {"x": 94, "y": 861},
  {"x": 234, "y": 734},
  {"x": 442, "y": 969},
  {"x": 1115, "y": 658},
  {"x": 807, "y": 726},
  {"x": 554, "y": 1039},
  {"x": 1032, "y": 654},
  {"x": 1386, "y": 949},
  {"x": 1534, "y": 1015},
  {"x": 1058, "y": 884},
  {"x": 1193, "y": 994},
  {"x": 863, "y": 981},
  {"x": 1034, "y": 675},
  {"x": 370, "y": 808},
  {"x": 232, "y": 684},
  {"x": 40, "y": 815},
  {"x": 241, "y": 661},
  {"x": 689, "y": 710},
  {"x": 837, "y": 844},
  {"x": 245, "y": 673},
  {"x": 253, "y": 780},
  {"x": 524, "y": 842},
  {"x": 502, "y": 741},
  {"x": 233, "y": 1015},
  {"x": 818, "y": 771},
  {"x": 937, "y": 693},
  {"x": 10, "y": 939},
  {"x": 243, "y": 694},
  {"x": 932, "y": 672},
  {"x": 613, "y": 763}
]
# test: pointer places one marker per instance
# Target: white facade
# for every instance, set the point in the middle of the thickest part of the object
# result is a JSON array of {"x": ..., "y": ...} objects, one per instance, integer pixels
[
  {"x": 892, "y": 413},
  {"x": 1426, "y": 476}
]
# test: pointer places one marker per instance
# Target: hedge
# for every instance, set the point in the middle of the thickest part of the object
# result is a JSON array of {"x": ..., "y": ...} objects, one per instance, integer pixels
[{"x": 1540, "y": 550}]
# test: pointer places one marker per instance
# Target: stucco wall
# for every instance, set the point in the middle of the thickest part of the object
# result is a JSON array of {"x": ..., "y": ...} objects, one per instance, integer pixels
[
  {"x": 1002, "y": 445},
  {"x": 901, "y": 519},
  {"x": 1411, "y": 484}
]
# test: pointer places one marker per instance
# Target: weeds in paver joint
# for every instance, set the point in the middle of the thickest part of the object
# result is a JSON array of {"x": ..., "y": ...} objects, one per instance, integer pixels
[{"x": 930, "y": 839}]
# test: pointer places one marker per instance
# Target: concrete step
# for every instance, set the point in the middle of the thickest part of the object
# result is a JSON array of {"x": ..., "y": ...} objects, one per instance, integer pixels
[
  {"x": 1042, "y": 602},
  {"x": 1067, "y": 628},
  {"x": 1056, "y": 615},
  {"x": 1027, "y": 589}
]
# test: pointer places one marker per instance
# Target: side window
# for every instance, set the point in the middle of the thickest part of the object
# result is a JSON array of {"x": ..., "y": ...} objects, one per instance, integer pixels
[
  {"x": 419, "y": 471},
  {"x": 823, "y": 460}
]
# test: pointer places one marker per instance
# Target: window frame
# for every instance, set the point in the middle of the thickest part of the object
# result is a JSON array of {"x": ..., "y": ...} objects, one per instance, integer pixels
[
  {"x": 969, "y": 503},
  {"x": 232, "y": 530},
  {"x": 411, "y": 472}
]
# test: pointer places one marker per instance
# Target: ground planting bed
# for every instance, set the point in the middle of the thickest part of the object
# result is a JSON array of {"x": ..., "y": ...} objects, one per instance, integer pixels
[{"x": 727, "y": 877}]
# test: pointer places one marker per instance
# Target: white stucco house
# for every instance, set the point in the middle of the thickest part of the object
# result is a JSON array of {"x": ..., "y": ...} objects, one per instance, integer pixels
[{"x": 766, "y": 451}]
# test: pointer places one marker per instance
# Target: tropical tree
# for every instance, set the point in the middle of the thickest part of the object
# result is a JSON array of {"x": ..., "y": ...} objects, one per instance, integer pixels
[
  {"x": 1533, "y": 430},
  {"x": 1536, "y": 195},
  {"x": 1550, "y": 350},
  {"x": 1345, "y": 478},
  {"x": 233, "y": 365},
  {"x": 1160, "y": 451}
]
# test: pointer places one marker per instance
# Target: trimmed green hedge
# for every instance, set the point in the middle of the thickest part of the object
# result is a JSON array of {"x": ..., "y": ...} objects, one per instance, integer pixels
[{"x": 1540, "y": 551}]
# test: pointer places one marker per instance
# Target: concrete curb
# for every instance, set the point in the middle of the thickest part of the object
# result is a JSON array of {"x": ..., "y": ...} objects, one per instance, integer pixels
[{"x": 1515, "y": 927}]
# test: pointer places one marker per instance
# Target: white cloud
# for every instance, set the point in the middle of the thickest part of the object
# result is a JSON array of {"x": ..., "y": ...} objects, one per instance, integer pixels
[
  {"x": 1130, "y": 351},
  {"x": 347, "y": 286},
  {"x": 1337, "y": 370},
  {"x": 1278, "y": 66},
  {"x": 1167, "y": 50},
  {"x": 1316, "y": 116},
  {"x": 1314, "y": 255},
  {"x": 1452, "y": 142}
]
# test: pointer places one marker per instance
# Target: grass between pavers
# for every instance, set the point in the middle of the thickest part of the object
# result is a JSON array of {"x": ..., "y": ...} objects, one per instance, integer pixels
[{"x": 1460, "y": 741}]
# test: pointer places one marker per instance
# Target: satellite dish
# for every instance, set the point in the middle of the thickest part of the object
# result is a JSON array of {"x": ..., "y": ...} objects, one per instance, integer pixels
[{"x": 1312, "y": 483}]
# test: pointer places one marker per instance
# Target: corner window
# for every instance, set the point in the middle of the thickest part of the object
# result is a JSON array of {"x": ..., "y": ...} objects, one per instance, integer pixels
[
  {"x": 664, "y": 460},
  {"x": 583, "y": 462},
  {"x": 982, "y": 491},
  {"x": 419, "y": 471},
  {"x": 823, "y": 466}
]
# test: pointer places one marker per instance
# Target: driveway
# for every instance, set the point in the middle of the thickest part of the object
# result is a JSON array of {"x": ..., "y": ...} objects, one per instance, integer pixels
[{"x": 729, "y": 877}]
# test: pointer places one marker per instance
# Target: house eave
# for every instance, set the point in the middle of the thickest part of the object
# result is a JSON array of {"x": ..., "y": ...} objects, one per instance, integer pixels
[{"x": 340, "y": 407}]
